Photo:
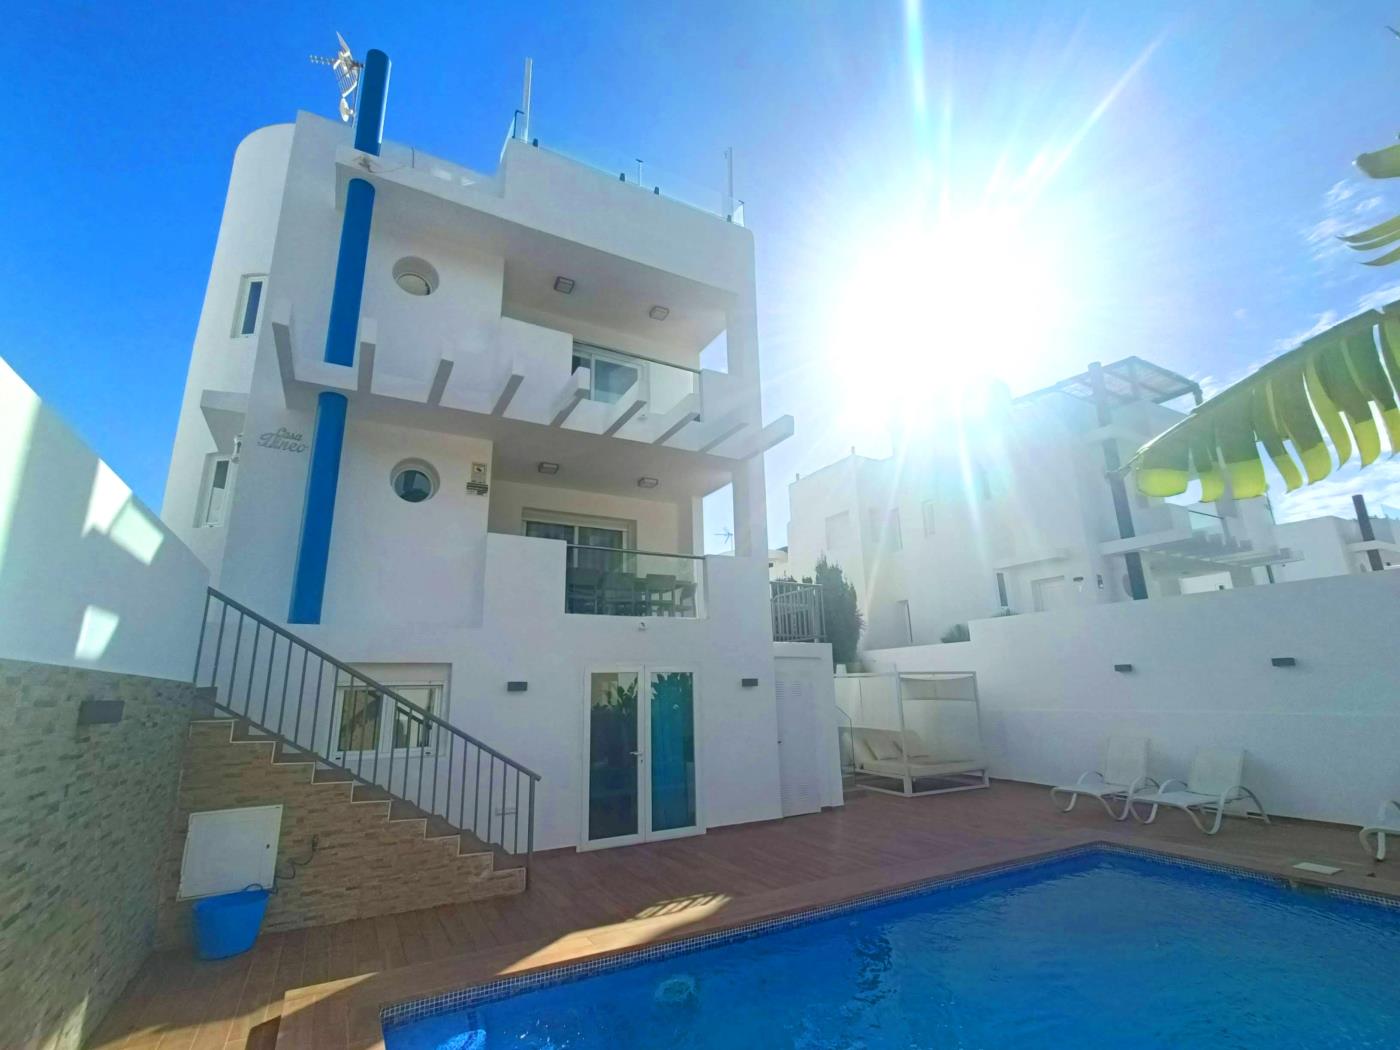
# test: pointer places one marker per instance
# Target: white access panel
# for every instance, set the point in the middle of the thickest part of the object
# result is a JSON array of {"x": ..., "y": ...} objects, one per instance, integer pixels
[{"x": 227, "y": 850}]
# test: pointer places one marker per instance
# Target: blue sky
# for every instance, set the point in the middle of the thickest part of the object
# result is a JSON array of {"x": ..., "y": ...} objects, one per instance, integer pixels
[{"x": 1199, "y": 160}]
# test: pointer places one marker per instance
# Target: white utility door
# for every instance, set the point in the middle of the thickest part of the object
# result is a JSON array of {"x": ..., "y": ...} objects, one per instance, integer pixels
[{"x": 799, "y": 739}]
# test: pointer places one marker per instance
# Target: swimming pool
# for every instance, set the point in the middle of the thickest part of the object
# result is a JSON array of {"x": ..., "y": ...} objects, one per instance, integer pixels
[{"x": 1104, "y": 948}]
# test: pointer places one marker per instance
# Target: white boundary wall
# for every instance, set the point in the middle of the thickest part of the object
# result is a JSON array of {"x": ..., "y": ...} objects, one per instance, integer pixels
[
  {"x": 89, "y": 576},
  {"x": 1323, "y": 736}
]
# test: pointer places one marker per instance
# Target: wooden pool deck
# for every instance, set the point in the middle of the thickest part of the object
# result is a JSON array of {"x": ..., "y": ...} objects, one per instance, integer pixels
[{"x": 322, "y": 989}]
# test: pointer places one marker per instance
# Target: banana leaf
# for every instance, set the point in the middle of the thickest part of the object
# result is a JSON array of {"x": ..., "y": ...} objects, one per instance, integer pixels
[
  {"x": 1309, "y": 409},
  {"x": 1382, "y": 164}
]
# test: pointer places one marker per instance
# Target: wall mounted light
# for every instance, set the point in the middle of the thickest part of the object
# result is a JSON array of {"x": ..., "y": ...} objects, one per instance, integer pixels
[
  {"x": 564, "y": 284},
  {"x": 1123, "y": 668},
  {"x": 748, "y": 683},
  {"x": 517, "y": 687},
  {"x": 548, "y": 468},
  {"x": 647, "y": 483},
  {"x": 1284, "y": 661},
  {"x": 659, "y": 313}
]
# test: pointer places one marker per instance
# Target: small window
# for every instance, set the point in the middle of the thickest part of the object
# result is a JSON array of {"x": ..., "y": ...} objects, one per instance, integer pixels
[
  {"x": 930, "y": 514},
  {"x": 1001, "y": 590},
  {"x": 414, "y": 481},
  {"x": 415, "y": 276},
  {"x": 413, "y": 486},
  {"x": 838, "y": 531},
  {"x": 366, "y": 718},
  {"x": 894, "y": 538},
  {"x": 215, "y": 502},
  {"x": 904, "y": 621},
  {"x": 250, "y": 297},
  {"x": 611, "y": 374}
]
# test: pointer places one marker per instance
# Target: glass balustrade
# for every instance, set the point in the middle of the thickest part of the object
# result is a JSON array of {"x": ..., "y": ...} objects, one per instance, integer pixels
[{"x": 611, "y": 581}]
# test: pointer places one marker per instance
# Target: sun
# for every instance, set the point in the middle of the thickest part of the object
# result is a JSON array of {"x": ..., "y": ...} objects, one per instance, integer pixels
[{"x": 935, "y": 308}]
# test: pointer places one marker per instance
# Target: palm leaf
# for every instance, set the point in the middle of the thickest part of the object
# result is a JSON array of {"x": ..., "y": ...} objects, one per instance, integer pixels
[
  {"x": 1382, "y": 233},
  {"x": 1334, "y": 384},
  {"x": 1382, "y": 164}
]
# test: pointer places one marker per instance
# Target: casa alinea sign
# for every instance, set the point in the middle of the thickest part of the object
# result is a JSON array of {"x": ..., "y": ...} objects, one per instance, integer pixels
[{"x": 283, "y": 440}]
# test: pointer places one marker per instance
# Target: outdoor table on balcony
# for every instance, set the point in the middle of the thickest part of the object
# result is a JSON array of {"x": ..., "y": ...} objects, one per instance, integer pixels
[{"x": 625, "y": 594}]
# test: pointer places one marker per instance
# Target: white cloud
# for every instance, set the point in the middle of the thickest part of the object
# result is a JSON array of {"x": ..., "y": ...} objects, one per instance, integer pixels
[
  {"x": 1381, "y": 297},
  {"x": 1321, "y": 323},
  {"x": 1379, "y": 483},
  {"x": 1346, "y": 208}
]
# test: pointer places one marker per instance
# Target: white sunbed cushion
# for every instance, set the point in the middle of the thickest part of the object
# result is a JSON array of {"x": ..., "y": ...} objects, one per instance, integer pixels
[
  {"x": 920, "y": 769},
  {"x": 882, "y": 744}
]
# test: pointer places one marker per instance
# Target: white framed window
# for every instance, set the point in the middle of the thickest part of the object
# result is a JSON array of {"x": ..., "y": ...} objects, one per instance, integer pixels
[
  {"x": 611, "y": 374},
  {"x": 248, "y": 310},
  {"x": 367, "y": 721},
  {"x": 838, "y": 531},
  {"x": 213, "y": 504},
  {"x": 930, "y": 510},
  {"x": 903, "y": 621}
]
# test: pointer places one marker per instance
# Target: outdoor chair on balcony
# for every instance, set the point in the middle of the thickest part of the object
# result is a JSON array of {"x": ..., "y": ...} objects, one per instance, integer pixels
[
  {"x": 621, "y": 594},
  {"x": 685, "y": 597},
  {"x": 1124, "y": 772},
  {"x": 1214, "y": 783},
  {"x": 660, "y": 591},
  {"x": 583, "y": 590},
  {"x": 1387, "y": 823}
]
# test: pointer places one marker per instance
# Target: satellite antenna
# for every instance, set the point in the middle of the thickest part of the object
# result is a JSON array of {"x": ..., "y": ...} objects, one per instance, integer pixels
[{"x": 347, "y": 76}]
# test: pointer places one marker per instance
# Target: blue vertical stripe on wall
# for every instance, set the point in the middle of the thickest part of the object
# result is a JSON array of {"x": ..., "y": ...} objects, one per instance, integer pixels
[
  {"x": 350, "y": 273},
  {"x": 374, "y": 97},
  {"x": 323, "y": 475},
  {"x": 322, "y": 478}
]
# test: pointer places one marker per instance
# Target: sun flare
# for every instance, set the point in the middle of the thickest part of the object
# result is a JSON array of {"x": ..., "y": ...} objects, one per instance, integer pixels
[{"x": 937, "y": 309}]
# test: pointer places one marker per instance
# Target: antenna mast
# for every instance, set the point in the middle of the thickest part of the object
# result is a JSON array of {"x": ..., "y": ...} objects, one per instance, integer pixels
[{"x": 525, "y": 98}]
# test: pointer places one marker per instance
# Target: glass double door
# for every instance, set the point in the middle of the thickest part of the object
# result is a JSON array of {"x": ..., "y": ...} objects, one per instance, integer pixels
[{"x": 640, "y": 743}]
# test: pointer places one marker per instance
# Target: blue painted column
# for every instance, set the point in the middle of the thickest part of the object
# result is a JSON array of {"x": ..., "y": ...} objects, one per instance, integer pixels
[{"x": 328, "y": 437}]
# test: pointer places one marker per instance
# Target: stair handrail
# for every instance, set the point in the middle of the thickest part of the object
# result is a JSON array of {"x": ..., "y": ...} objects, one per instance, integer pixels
[
  {"x": 419, "y": 712},
  {"x": 386, "y": 727}
]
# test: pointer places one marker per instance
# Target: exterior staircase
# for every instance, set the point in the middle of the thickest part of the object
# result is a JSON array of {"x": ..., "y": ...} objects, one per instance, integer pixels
[{"x": 319, "y": 715}]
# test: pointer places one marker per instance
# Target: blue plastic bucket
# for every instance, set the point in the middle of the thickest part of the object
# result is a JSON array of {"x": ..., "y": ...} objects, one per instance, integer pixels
[{"x": 229, "y": 923}]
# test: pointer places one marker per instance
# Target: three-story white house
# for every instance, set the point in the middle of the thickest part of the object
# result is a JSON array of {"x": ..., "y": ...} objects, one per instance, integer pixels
[{"x": 452, "y": 428}]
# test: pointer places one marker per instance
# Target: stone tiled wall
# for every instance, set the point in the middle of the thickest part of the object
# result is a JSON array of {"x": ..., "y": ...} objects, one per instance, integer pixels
[
  {"x": 84, "y": 812},
  {"x": 366, "y": 864}
]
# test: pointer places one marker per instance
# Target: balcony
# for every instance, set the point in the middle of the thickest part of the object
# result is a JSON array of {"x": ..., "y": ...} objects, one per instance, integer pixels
[
  {"x": 612, "y": 581},
  {"x": 615, "y": 381},
  {"x": 798, "y": 615}
]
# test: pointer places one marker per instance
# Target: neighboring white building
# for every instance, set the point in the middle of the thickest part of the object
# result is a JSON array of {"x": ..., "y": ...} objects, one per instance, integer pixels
[
  {"x": 1015, "y": 511},
  {"x": 528, "y": 437},
  {"x": 1333, "y": 546}
]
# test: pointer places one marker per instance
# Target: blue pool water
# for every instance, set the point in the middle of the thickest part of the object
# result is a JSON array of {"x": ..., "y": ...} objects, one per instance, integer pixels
[{"x": 1096, "y": 950}]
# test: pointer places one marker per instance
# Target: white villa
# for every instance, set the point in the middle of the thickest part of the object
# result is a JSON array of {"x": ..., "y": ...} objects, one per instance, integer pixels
[
  {"x": 511, "y": 535},
  {"x": 428, "y": 597},
  {"x": 1019, "y": 514}
]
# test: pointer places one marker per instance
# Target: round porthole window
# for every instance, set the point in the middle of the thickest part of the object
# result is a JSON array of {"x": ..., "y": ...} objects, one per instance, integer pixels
[
  {"x": 415, "y": 276},
  {"x": 414, "y": 481}
]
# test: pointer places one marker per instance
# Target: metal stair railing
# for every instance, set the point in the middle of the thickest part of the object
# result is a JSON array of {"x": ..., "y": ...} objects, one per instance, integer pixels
[{"x": 307, "y": 699}]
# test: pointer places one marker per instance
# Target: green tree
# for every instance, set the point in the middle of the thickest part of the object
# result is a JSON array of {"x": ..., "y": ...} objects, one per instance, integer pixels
[{"x": 844, "y": 622}]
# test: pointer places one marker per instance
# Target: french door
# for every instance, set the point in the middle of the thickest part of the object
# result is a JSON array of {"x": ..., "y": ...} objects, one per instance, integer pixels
[{"x": 639, "y": 739}]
